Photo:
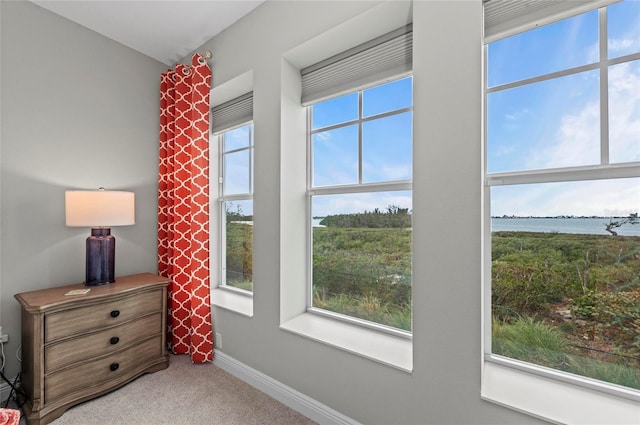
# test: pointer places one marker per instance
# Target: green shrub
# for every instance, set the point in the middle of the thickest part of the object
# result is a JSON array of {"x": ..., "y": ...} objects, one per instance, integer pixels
[
  {"x": 523, "y": 287},
  {"x": 239, "y": 251},
  {"x": 585, "y": 306}
]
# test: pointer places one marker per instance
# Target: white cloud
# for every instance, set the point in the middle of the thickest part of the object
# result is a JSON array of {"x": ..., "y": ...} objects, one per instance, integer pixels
[
  {"x": 324, "y": 136},
  {"x": 620, "y": 44},
  {"x": 517, "y": 115},
  {"x": 624, "y": 112},
  {"x": 618, "y": 197},
  {"x": 575, "y": 143}
]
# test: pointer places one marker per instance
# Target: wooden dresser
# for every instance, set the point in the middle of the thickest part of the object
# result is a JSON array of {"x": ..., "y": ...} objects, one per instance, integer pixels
[{"x": 77, "y": 347}]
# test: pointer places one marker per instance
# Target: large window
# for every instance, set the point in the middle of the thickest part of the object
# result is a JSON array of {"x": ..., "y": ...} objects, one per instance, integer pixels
[
  {"x": 235, "y": 192},
  {"x": 360, "y": 147},
  {"x": 562, "y": 177}
]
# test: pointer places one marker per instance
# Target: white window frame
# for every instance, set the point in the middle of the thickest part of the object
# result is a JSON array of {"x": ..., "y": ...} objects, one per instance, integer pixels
[
  {"x": 222, "y": 296},
  {"x": 389, "y": 350},
  {"x": 222, "y": 218},
  {"x": 524, "y": 386},
  {"x": 354, "y": 188}
]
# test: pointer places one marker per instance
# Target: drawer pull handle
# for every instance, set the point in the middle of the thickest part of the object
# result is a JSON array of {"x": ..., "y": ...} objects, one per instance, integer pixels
[
  {"x": 115, "y": 313},
  {"x": 113, "y": 367},
  {"x": 114, "y": 340}
]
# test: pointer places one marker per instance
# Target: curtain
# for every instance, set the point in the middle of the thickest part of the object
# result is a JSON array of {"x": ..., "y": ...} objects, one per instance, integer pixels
[{"x": 183, "y": 207}]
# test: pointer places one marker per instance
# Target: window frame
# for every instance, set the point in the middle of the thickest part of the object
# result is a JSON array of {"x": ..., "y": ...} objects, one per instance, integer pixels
[
  {"x": 499, "y": 365},
  {"x": 353, "y": 188},
  {"x": 222, "y": 199},
  {"x": 384, "y": 349},
  {"x": 237, "y": 89}
]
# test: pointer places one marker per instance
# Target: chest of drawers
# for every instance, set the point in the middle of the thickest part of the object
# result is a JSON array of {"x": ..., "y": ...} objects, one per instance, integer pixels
[{"x": 77, "y": 347}]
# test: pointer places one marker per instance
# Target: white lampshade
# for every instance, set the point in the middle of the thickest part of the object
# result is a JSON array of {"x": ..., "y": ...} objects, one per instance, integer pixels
[{"x": 99, "y": 208}]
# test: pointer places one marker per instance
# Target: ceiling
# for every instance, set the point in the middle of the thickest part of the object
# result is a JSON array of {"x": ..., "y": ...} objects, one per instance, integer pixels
[{"x": 166, "y": 30}]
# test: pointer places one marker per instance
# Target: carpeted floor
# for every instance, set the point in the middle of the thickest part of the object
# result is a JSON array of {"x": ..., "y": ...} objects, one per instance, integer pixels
[{"x": 184, "y": 393}]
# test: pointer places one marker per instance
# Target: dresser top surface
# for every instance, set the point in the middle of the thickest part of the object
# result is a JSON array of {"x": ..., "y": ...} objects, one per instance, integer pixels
[{"x": 47, "y": 298}]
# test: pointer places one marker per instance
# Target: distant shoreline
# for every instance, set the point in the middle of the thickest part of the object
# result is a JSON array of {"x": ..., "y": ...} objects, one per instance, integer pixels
[
  {"x": 562, "y": 224},
  {"x": 561, "y": 216}
]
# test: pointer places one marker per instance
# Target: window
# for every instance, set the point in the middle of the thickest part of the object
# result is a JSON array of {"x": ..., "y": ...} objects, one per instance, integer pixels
[
  {"x": 309, "y": 78},
  {"x": 360, "y": 162},
  {"x": 235, "y": 147},
  {"x": 562, "y": 179}
]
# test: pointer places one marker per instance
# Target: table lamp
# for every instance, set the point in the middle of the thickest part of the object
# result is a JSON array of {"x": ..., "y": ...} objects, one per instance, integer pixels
[{"x": 99, "y": 209}]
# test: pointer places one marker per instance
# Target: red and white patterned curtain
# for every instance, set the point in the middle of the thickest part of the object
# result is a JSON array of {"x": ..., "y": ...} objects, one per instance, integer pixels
[{"x": 183, "y": 207}]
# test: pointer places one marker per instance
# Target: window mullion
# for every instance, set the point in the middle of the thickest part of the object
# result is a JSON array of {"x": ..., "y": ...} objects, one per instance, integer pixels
[
  {"x": 251, "y": 153},
  {"x": 222, "y": 231},
  {"x": 604, "y": 86},
  {"x": 360, "y": 137},
  {"x": 544, "y": 77},
  {"x": 309, "y": 149},
  {"x": 221, "y": 165},
  {"x": 309, "y": 212}
]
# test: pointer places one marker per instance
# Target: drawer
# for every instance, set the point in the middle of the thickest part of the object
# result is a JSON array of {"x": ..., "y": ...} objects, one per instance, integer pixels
[
  {"x": 92, "y": 345},
  {"x": 103, "y": 372},
  {"x": 99, "y": 316}
]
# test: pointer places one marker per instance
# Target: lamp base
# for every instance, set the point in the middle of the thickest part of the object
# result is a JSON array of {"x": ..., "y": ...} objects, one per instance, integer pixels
[{"x": 101, "y": 254}]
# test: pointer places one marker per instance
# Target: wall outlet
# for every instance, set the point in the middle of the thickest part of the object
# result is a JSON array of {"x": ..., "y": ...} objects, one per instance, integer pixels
[
  {"x": 3, "y": 337},
  {"x": 218, "y": 340}
]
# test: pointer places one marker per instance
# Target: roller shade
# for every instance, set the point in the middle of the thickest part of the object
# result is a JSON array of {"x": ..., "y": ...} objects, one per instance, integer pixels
[
  {"x": 382, "y": 58},
  {"x": 232, "y": 113},
  {"x": 503, "y": 18}
]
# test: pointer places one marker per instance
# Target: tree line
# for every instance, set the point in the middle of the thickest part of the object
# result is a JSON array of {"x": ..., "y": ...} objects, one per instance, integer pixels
[{"x": 393, "y": 217}]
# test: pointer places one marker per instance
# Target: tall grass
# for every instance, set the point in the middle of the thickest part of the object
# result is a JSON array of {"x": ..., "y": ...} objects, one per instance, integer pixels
[
  {"x": 529, "y": 341},
  {"x": 366, "y": 307},
  {"x": 538, "y": 343}
]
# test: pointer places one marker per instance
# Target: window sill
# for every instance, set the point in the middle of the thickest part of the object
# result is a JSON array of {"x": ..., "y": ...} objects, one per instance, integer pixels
[
  {"x": 554, "y": 400},
  {"x": 388, "y": 349},
  {"x": 232, "y": 301}
]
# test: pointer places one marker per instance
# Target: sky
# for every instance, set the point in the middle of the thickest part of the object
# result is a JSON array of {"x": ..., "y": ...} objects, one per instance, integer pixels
[
  {"x": 386, "y": 148},
  {"x": 545, "y": 125}
]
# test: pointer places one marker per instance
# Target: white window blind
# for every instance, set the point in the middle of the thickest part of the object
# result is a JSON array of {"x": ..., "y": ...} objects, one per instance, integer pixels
[
  {"x": 375, "y": 61},
  {"x": 232, "y": 113},
  {"x": 503, "y": 18}
]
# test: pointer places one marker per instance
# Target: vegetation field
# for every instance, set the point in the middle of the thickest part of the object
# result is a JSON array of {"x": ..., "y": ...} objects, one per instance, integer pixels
[
  {"x": 239, "y": 252},
  {"x": 364, "y": 273},
  {"x": 566, "y": 301}
]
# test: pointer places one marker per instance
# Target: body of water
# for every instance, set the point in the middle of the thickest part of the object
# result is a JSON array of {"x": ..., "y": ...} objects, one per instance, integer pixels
[{"x": 591, "y": 226}]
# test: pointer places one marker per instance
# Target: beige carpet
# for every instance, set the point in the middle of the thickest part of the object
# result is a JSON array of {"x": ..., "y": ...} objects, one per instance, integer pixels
[{"x": 184, "y": 393}]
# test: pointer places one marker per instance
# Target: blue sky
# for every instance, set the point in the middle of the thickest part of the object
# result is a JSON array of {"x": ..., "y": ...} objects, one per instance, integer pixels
[
  {"x": 237, "y": 157},
  {"x": 386, "y": 148},
  {"x": 546, "y": 125},
  {"x": 386, "y": 142},
  {"x": 556, "y": 123}
]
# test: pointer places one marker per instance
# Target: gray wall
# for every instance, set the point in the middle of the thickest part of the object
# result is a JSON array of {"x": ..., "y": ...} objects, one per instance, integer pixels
[
  {"x": 445, "y": 384},
  {"x": 69, "y": 95},
  {"x": 79, "y": 111}
]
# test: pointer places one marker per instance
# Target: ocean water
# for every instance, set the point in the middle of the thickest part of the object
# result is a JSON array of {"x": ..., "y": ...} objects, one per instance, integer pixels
[{"x": 591, "y": 226}]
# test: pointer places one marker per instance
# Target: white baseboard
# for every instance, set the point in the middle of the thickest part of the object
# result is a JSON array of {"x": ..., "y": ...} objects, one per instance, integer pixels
[{"x": 288, "y": 396}]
